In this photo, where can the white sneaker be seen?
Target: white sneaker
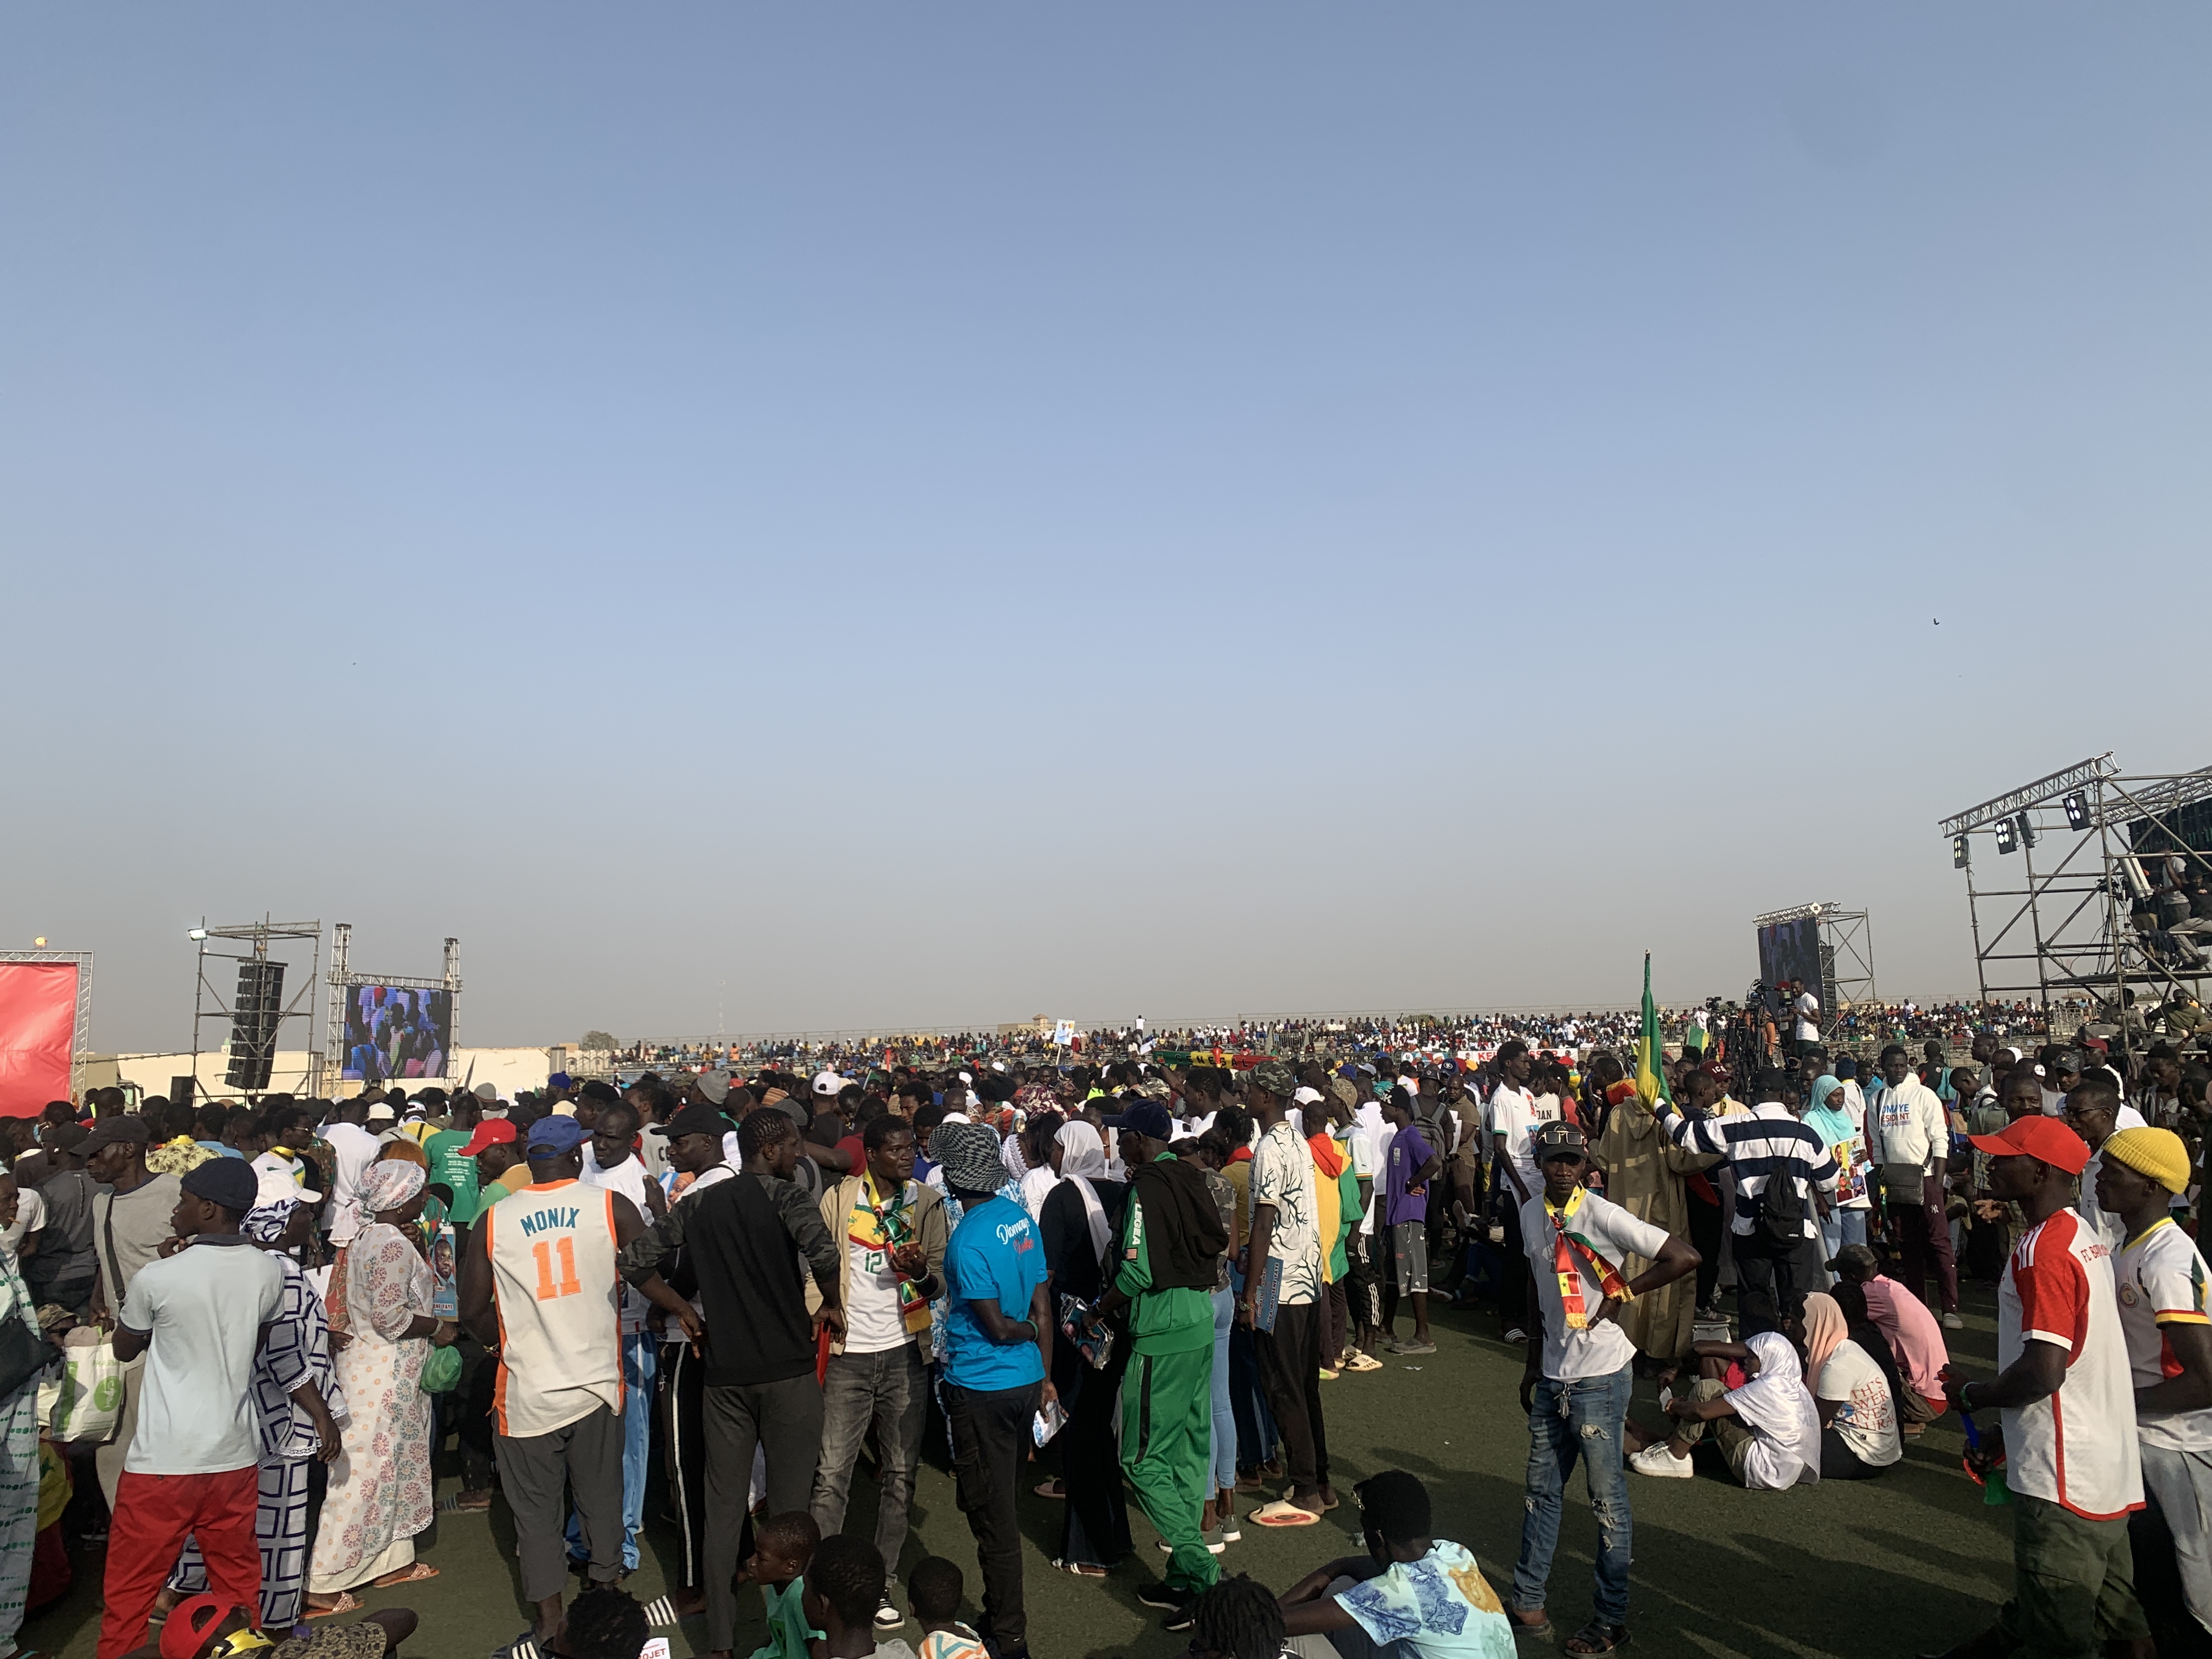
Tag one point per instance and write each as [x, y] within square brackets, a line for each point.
[1953, 1322]
[888, 1617]
[1658, 1462]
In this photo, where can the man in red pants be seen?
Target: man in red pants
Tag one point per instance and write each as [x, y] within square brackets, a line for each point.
[192, 1466]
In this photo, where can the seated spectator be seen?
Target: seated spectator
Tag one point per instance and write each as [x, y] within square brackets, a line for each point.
[844, 1589]
[201, 1627]
[1410, 1597]
[1766, 1425]
[605, 1623]
[783, 1547]
[1237, 1619]
[1850, 1395]
[933, 1590]
[1915, 1339]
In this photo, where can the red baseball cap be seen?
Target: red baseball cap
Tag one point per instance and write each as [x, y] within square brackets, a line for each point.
[2038, 1137]
[191, 1621]
[489, 1133]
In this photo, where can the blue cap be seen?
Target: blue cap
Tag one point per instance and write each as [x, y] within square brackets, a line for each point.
[1145, 1117]
[550, 1137]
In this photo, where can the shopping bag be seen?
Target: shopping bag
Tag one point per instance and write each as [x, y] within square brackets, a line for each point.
[89, 1406]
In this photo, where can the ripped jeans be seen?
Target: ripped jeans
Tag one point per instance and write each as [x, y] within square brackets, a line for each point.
[1578, 1418]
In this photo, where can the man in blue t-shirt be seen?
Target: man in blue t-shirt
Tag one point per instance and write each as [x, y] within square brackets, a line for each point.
[998, 1351]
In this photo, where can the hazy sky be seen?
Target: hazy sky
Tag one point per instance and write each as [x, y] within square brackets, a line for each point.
[946, 513]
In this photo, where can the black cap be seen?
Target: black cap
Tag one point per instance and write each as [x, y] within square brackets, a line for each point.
[697, 1119]
[1559, 1140]
[229, 1182]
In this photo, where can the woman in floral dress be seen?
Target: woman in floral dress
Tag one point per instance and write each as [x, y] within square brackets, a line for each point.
[380, 1488]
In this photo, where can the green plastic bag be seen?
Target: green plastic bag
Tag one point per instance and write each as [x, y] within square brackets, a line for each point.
[441, 1371]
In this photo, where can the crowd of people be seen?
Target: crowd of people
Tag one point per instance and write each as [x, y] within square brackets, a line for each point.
[1469, 1037]
[769, 1286]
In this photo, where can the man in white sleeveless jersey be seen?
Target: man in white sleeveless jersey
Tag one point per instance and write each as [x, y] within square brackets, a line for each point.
[538, 1288]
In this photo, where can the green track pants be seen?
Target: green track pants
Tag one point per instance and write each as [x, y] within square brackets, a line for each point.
[1167, 1426]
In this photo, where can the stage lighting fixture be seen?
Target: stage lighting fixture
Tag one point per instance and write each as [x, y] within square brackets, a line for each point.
[1959, 859]
[2008, 837]
[2026, 830]
[2077, 810]
[196, 933]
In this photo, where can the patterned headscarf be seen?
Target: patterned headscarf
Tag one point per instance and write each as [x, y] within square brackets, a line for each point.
[387, 1185]
[265, 1224]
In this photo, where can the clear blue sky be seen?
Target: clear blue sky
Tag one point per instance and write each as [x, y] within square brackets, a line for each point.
[952, 512]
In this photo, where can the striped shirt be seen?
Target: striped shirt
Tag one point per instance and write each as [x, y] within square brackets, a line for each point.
[1760, 1144]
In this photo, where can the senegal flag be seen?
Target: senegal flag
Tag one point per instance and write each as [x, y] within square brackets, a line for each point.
[1650, 1068]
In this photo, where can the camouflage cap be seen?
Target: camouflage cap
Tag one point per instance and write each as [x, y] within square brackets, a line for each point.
[1275, 1076]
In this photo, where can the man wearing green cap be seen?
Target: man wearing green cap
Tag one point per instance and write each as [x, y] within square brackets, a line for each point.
[2164, 1289]
[1283, 1285]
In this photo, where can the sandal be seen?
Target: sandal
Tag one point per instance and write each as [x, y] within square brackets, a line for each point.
[410, 1575]
[1051, 1488]
[1539, 1631]
[1081, 1569]
[347, 1602]
[1282, 1513]
[1594, 1638]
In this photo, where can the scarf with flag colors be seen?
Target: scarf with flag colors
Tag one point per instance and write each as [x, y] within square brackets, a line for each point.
[1566, 1246]
[880, 1223]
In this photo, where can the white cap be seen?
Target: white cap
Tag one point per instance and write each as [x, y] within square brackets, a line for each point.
[381, 1112]
[277, 1187]
[1306, 1096]
[827, 1082]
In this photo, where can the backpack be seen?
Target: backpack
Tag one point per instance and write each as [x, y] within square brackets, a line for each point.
[1780, 1224]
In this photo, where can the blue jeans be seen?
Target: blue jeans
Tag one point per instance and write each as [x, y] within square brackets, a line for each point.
[1248, 1398]
[1225, 1420]
[1582, 1418]
[640, 1365]
[1842, 1227]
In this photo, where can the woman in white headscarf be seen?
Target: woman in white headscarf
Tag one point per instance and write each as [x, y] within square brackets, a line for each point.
[1766, 1426]
[381, 1288]
[1076, 1223]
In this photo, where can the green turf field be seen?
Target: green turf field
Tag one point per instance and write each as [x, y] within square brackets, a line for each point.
[1904, 1564]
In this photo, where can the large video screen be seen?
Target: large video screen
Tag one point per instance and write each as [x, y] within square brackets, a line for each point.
[393, 1035]
[1791, 951]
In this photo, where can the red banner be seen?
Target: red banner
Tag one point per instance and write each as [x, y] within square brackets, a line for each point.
[38, 1024]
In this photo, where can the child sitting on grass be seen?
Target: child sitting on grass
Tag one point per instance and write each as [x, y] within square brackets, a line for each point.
[1237, 1619]
[783, 1546]
[844, 1588]
[933, 1589]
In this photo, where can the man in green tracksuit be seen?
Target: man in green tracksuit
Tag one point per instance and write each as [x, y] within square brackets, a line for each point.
[1172, 1237]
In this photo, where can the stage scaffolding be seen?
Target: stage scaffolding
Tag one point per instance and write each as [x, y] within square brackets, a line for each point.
[1846, 956]
[2070, 929]
[81, 1027]
[258, 937]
